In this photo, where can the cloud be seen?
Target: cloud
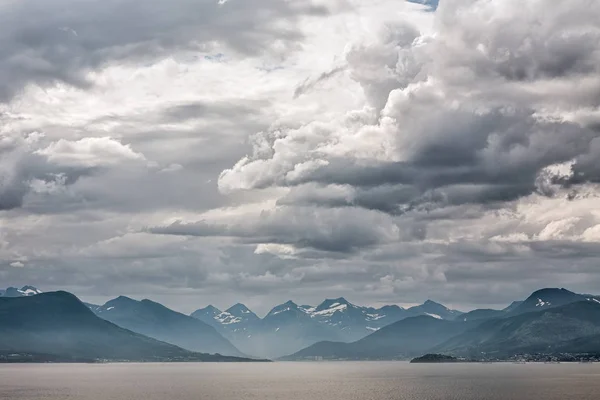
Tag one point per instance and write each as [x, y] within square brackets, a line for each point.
[196, 152]
[17, 264]
[89, 152]
[28, 166]
[57, 46]
[331, 230]
[308, 83]
[466, 116]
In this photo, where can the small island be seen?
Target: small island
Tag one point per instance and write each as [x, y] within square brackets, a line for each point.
[434, 358]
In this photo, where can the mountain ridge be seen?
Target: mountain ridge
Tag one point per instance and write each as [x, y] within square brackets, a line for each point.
[157, 321]
[549, 320]
[288, 327]
[57, 326]
[336, 326]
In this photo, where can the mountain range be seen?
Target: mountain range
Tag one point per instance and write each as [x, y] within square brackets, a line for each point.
[289, 327]
[159, 322]
[58, 326]
[548, 321]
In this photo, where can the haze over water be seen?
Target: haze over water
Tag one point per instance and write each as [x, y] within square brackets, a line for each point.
[300, 381]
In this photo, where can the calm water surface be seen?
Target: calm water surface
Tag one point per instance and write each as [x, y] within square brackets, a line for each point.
[300, 381]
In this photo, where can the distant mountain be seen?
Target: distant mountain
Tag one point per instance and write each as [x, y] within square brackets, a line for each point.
[354, 322]
[57, 326]
[237, 318]
[157, 321]
[24, 291]
[435, 310]
[401, 340]
[289, 327]
[539, 300]
[546, 331]
[548, 321]
[208, 315]
[549, 298]
[208, 312]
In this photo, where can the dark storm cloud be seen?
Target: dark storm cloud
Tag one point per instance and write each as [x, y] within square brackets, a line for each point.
[480, 158]
[45, 42]
[20, 166]
[464, 112]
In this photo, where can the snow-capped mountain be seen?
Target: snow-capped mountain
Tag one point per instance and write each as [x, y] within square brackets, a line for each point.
[353, 322]
[289, 326]
[15, 292]
[237, 315]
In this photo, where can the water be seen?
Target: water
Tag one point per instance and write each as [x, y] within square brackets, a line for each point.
[300, 381]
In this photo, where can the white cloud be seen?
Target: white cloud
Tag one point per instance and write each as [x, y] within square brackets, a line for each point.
[89, 152]
[17, 264]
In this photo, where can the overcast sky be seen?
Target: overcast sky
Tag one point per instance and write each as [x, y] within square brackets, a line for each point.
[216, 151]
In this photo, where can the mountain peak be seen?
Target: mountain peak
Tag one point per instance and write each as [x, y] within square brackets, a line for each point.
[434, 309]
[329, 303]
[241, 311]
[548, 298]
[552, 296]
[207, 314]
[23, 292]
[433, 303]
[552, 291]
[121, 300]
[341, 300]
[238, 307]
[211, 308]
[287, 306]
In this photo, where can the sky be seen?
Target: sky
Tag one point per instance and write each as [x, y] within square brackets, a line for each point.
[219, 151]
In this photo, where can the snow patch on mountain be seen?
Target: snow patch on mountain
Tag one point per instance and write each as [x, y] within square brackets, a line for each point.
[542, 303]
[328, 312]
[25, 291]
[226, 318]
